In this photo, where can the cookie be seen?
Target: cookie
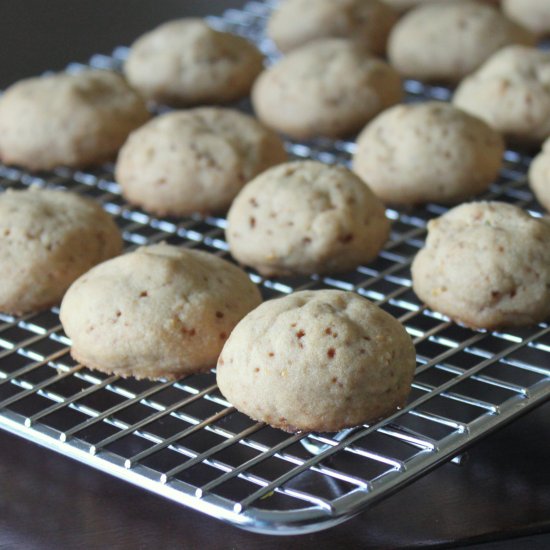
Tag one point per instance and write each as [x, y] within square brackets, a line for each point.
[67, 119]
[306, 217]
[532, 14]
[328, 87]
[317, 361]
[185, 62]
[195, 160]
[539, 175]
[445, 41]
[297, 22]
[511, 93]
[427, 152]
[47, 240]
[159, 312]
[486, 265]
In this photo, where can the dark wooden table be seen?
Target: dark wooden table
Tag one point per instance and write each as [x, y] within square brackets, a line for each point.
[48, 501]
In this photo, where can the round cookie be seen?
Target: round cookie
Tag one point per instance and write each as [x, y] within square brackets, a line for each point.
[532, 14]
[444, 41]
[486, 265]
[306, 217]
[67, 119]
[196, 160]
[317, 361]
[297, 22]
[511, 92]
[185, 62]
[329, 88]
[539, 175]
[47, 240]
[427, 152]
[161, 311]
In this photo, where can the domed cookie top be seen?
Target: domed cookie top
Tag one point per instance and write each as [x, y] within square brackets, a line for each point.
[317, 361]
[67, 119]
[487, 265]
[185, 62]
[47, 240]
[444, 41]
[532, 14]
[297, 22]
[328, 87]
[196, 160]
[161, 311]
[306, 217]
[425, 152]
[511, 92]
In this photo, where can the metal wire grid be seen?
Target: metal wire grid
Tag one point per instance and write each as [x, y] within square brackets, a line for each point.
[184, 441]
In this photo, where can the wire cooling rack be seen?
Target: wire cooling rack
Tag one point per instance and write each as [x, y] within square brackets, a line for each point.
[182, 440]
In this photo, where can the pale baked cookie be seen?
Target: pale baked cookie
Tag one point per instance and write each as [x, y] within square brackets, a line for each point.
[306, 217]
[196, 160]
[444, 41]
[486, 265]
[297, 22]
[47, 240]
[317, 361]
[511, 92]
[185, 62]
[67, 119]
[329, 87]
[532, 14]
[426, 152]
[161, 311]
[539, 175]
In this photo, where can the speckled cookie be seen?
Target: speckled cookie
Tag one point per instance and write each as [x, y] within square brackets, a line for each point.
[185, 62]
[297, 22]
[486, 265]
[511, 92]
[445, 41]
[306, 217]
[195, 160]
[161, 311]
[317, 361]
[47, 240]
[67, 119]
[532, 14]
[328, 87]
[426, 152]
[539, 175]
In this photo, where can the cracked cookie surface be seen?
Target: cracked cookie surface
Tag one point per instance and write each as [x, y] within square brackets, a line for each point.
[317, 361]
[486, 265]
